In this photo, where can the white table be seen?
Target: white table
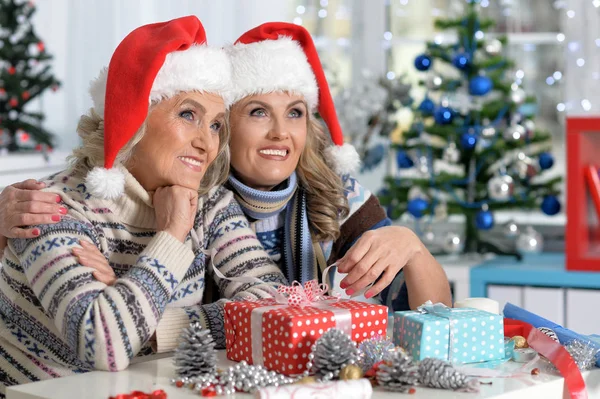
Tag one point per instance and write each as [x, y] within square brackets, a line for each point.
[156, 374]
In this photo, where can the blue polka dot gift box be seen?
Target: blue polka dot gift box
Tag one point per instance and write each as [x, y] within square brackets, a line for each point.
[462, 335]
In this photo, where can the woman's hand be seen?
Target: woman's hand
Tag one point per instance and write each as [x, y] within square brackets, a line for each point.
[382, 252]
[175, 209]
[90, 256]
[22, 204]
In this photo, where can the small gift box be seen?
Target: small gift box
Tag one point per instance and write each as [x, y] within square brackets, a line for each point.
[279, 333]
[457, 335]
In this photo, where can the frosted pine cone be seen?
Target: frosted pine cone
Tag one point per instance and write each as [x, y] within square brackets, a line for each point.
[398, 372]
[333, 351]
[196, 354]
[436, 373]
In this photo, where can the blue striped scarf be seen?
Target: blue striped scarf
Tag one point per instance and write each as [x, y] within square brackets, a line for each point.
[298, 252]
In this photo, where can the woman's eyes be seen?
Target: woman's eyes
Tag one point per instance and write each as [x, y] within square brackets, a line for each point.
[258, 112]
[189, 115]
[216, 127]
[296, 113]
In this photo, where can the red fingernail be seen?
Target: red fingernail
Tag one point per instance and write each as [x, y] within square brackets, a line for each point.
[58, 199]
[350, 291]
[55, 218]
[368, 294]
[343, 285]
[62, 210]
[36, 232]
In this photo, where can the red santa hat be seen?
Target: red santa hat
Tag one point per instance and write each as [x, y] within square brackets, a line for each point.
[152, 63]
[279, 56]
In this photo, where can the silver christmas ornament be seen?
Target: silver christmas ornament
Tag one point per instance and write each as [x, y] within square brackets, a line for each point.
[493, 47]
[510, 229]
[428, 236]
[434, 82]
[488, 132]
[529, 126]
[518, 96]
[530, 241]
[514, 133]
[451, 153]
[453, 243]
[524, 167]
[423, 165]
[501, 187]
[441, 211]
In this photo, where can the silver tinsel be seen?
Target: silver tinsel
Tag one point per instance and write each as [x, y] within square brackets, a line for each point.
[241, 377]
[196, 354]
[398, 373]
[332, 351]
[374, 350]
[583, 353]
[437, 373]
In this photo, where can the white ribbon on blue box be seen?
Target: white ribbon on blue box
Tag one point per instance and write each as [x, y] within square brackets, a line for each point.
[458, 335]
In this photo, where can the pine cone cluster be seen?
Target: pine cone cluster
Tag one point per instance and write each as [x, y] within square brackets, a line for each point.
[332, 351]
[398, 372]
[196, 354]
[436, 373]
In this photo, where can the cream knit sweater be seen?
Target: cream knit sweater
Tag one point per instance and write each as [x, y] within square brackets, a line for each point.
[56, 319]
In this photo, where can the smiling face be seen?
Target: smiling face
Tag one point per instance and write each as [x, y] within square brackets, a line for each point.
[180, 142]
[268, 135]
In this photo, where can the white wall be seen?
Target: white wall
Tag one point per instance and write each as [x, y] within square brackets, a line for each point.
[83, 34]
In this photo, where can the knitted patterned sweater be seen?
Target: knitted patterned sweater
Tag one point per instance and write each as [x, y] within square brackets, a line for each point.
[57, 319]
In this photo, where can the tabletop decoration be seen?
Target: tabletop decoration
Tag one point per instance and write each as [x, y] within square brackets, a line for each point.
[196, 354]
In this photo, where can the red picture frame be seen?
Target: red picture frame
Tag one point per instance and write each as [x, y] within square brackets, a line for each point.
[582, 233]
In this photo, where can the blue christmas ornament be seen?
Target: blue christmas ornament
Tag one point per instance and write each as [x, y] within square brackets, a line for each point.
[443, 115]
[468, 141]
[417, 207]
[427, 106]
[423, 62]
[403, 160]
[480, 85]
[461, 61]
[550, 205]
[484, 220]
[373, 156]
[546, 160]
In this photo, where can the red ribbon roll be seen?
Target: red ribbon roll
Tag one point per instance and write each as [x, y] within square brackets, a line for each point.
[553, 351]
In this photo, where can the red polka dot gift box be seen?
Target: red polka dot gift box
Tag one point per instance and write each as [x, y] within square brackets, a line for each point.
[280, 336]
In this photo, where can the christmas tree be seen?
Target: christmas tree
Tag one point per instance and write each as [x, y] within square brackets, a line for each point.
[25, 74]
[473, 147]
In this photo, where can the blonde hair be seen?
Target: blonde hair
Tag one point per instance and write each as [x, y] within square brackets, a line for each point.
[326, 202]
[91, 152]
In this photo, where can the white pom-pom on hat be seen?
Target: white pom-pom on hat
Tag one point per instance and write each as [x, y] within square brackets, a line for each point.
[343, 158]
[105, 183]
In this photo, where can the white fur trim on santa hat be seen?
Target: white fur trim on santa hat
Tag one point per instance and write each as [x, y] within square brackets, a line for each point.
[270, 66]
[344, 159]
[105, 183]
[199, 68]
